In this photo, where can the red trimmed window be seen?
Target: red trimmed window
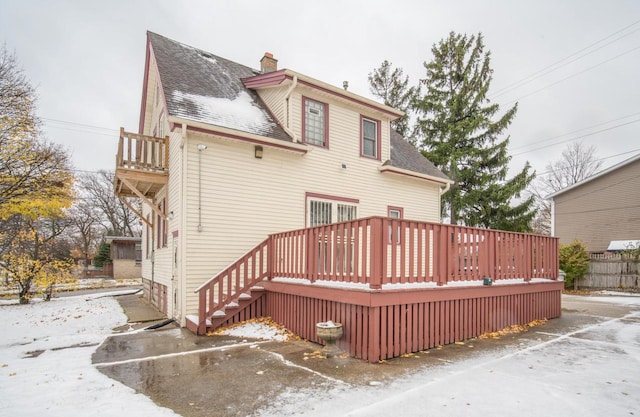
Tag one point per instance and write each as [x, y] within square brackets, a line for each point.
[395, 213]
[369, 138]
[161, 225]
[325, 209]
[315, 122]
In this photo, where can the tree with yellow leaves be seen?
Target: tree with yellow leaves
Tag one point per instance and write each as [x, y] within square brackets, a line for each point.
[36, 186]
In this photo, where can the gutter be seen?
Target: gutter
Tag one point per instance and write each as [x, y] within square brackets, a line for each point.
[232, 134]
[446, 182]
[287, 95]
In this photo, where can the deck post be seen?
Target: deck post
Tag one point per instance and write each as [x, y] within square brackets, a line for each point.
[270, 257]
[202, 319]
[378, 260]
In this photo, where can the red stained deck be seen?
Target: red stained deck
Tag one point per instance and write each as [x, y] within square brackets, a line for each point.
[397, 286]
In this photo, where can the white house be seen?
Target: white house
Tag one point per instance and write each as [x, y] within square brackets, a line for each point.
[226, 155]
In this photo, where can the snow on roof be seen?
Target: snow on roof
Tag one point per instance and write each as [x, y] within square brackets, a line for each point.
[239, 113]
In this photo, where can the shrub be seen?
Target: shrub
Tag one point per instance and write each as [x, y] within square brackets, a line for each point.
[574, 261]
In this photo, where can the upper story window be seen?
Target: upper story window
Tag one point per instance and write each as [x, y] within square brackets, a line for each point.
[315, 123]
[161, 125]
[370, 138]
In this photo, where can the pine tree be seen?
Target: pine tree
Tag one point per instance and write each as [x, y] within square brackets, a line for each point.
[393, 89]
[103, 255]
[459, 135]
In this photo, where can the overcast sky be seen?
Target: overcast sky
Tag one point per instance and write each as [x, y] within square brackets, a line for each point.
[580, 59]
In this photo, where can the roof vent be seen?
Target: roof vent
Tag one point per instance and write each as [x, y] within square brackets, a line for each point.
[268, 63]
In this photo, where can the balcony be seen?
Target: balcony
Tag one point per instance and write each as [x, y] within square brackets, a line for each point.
[142, 166]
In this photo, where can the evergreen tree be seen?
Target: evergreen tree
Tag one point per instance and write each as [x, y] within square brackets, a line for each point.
[393, 89]
[103, 255]
[460, 131]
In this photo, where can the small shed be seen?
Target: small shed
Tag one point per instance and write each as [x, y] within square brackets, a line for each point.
[126, 254]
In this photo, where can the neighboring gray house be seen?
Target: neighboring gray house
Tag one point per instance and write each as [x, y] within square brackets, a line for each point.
[601, 208]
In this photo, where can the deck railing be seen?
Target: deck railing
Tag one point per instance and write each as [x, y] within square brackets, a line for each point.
[376, 251]
[141, 152]
[227, 285]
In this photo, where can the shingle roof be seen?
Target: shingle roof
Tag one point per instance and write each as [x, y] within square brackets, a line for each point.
[405, 156]
[206, 88]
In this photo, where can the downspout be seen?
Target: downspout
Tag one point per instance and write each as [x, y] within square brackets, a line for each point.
[446, 188]
[201, 148]
[153, 261]
[287, 95]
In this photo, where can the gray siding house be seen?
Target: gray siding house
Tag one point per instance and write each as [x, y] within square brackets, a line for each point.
[601, 208]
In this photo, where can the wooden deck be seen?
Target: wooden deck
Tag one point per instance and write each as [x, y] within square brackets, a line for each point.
[397, 286]
[142, 169]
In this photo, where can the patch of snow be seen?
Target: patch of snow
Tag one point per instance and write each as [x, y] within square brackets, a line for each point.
[45, 353]
[241, 113]
[326, 324]
[256, 330]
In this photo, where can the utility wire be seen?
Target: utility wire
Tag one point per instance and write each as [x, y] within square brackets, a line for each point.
[597, 160]
[570, 76]
[556, 65]
[577, 137]
[575, 131]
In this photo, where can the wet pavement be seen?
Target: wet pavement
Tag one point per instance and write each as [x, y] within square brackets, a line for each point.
[230, 376]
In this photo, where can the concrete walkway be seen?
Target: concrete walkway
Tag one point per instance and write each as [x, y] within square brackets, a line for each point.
[526, 372]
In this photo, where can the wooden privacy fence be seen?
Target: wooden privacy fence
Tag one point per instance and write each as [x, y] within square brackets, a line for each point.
[611, 270]
[378, 251]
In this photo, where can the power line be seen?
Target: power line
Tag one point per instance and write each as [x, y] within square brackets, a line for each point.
[79, 124]
[570, 76]
[577, 137]
[576, 131]
[597, 160]
[550, 68]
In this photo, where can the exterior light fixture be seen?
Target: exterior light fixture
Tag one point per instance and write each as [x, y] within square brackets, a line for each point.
[258, 151]
[201, 147]
[170, 215]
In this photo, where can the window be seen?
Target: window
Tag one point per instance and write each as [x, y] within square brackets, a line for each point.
[147, 240]
[161, 125]
[334, 251]
[314, 123]
[326, 209]
[138, 255]
[395, 213]
[370, 145]
[161, 225]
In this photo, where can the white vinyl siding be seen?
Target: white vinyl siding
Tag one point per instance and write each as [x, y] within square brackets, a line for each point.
[244, 199]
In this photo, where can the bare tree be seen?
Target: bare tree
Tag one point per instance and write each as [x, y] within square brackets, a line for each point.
[116, 218]
[578, 161]
[85, 224]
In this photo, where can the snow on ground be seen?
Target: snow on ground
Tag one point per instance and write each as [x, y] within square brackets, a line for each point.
[45, 361]
[46, 348]
[592, 371]
[257, 330]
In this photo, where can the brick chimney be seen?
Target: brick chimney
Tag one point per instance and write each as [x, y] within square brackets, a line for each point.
[268, 63]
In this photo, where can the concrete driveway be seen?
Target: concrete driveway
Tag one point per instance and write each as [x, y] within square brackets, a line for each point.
[585, 363]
